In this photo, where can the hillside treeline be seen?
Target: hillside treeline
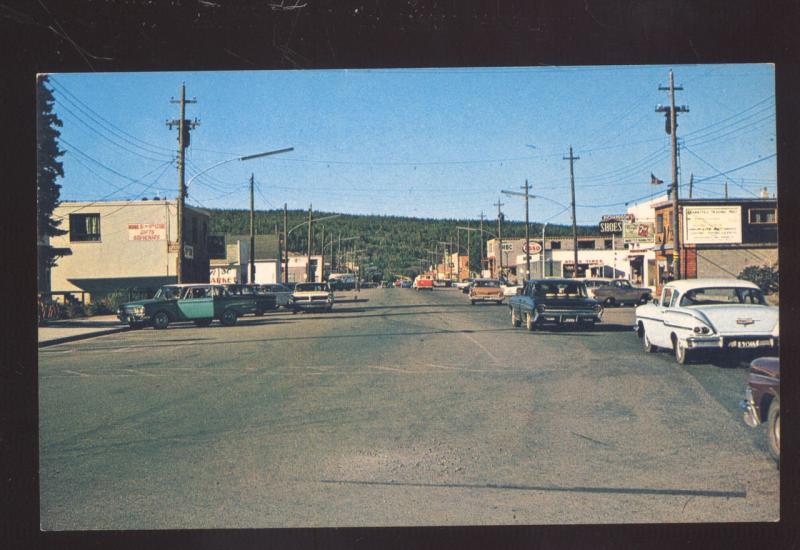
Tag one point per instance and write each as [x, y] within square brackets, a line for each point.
[392, 245]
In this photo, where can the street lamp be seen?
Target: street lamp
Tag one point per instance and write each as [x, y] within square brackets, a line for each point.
[201, 172]
[298, 226]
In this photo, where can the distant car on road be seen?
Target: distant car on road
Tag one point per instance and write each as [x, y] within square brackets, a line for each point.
[762, 401]
[405, 283]
[485, 290]
[422, 282]
[594, 283]
[717, 315]
[619, 292]
[559, 301]
[510, 289]
[312, 296]
[461, 285]
[201, 303]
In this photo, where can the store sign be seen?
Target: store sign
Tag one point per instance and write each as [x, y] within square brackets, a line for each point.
[629, 218]
[586, 262]
[639, 233]
[531, 247]
[224, 275]
[712, 224]
[147, 232]
[610, 228]
[507, 247]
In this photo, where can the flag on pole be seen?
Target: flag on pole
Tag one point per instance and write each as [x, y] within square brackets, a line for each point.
[654, 180]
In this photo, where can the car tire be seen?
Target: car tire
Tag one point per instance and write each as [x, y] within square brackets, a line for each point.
[472, 302]
[774, 429]
[609, 302]
[160, 320]
[529, 324]
[203, 322]
[134, 326]
[516, 322]
[648, 346]
[229, 317]
[681, 353]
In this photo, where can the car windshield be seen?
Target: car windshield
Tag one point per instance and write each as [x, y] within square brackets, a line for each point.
[722, 295]
[559, 290]
[495, 284]
[314, 287]
[167, 293]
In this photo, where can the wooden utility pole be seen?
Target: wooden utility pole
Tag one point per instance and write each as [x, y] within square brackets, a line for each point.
[498, 204]
[280, 252]
[469, 252]
[310, 239]
[285, 244]
[322, 255]
[527, 196]
[483, 259]
[691, 181]
[672, 126]
[184, 127]
[572, 159]
[252, 277]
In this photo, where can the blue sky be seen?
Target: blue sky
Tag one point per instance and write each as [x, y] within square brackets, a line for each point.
[436, 143]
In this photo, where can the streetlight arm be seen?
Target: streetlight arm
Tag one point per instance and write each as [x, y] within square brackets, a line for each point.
[312, 221]
[245, 157]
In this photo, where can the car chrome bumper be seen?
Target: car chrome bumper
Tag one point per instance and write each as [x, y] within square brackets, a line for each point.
[748, 406]
[562, 317]
[731, 342]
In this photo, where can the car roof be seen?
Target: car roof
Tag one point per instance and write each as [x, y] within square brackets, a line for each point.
[557, 281]
[685, 285]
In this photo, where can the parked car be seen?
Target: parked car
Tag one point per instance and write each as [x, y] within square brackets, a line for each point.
[201, 303]
[559, 301]
[762, 401]
[461, 285]
[510, 289]
[440, 283]
[312, 296]
[282, 294]
[405, 283]
[593, 283]
[422, 282]
[619, 292]
[486, 290]
[261, 302]
[386, 284]
[708, 314]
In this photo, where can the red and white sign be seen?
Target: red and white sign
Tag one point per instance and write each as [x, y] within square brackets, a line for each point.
[147, 232]
[531, 247]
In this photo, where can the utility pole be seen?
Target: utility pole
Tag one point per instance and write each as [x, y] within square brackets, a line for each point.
[671, 113]
[252, 278]
[726, 189]
[498, 204]
[469, 251]
[184, 127]
[280, 251]
[285, 245]
[571, 160]
[322, 255]
[527, 195]
[483, 258]
[310, 239]
[691, 181]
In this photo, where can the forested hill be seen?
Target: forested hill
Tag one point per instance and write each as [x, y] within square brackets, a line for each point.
[392, 244]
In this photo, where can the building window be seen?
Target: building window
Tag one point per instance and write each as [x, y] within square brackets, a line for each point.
[84, 227]
[763, 215]
[608, 244]
[585, 245]
[660, 223]
[555, 245]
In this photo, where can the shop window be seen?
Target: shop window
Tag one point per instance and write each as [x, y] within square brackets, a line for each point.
[660, 223]
[763, 215]
[84, 227]
[585, 245]
[555, 245]
[608, 244]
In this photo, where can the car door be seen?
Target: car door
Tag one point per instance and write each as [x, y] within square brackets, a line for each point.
[197, 303]
[659, 333]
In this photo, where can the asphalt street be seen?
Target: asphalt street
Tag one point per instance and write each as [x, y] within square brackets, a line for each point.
[405, 408]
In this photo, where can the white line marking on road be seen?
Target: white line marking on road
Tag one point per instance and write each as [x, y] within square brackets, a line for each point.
[489, 353]
[77, 373]
[139, 372]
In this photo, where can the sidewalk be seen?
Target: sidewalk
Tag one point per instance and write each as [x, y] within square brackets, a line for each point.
[67, 330]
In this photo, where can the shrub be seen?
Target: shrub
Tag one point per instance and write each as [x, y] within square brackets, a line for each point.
[74, 310]
[766, 277]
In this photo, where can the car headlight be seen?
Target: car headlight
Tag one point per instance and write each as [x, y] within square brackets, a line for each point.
[701, 329]
[597, 308]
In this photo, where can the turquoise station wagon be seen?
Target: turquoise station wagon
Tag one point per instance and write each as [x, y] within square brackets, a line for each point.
[201, 303]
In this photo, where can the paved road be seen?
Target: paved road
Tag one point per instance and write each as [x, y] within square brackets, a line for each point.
[407, 409]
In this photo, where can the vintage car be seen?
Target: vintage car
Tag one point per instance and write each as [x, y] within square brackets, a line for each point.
[200, 303]
[261, 302]
[312, 296]
[619, 292]
[708, 314]
[281, 293]
[593, 283]
[511, 289]
[461, 285]
[762, 402]
[560, 301]
[422, 282]
[485, 290]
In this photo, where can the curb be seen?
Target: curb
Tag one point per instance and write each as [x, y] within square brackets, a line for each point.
[64, 339]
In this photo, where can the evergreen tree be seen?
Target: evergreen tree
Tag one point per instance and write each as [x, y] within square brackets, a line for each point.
[48, 170]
